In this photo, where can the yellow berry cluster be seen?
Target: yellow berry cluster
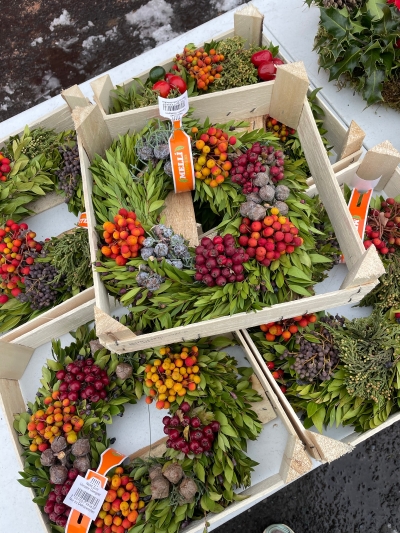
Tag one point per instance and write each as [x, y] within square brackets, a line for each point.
[172, 376]
[278, 129]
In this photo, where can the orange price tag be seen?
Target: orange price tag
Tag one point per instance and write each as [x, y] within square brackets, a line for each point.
[181, 159]
[78, 522]
[358, 207]
[83, 221]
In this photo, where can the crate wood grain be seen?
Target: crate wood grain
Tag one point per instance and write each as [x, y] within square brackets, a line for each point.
[364, 266]
[248, 25]
[318, 445]
[78, 308]
[295, 460]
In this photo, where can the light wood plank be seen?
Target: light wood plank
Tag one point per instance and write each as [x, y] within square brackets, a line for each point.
[122, 342]
[101, 295]
[290, 90]
[368, 267]
[157, 449]
[239, 103]
[353, 141]
[92, 130]
[296, 462]
[179, 215]
[381, 160]
[51, 199]
[337, 167]
[107, 327]
[248, 22]
[102, 88]
[328, 188]
[74, 97]
[392, 188]
[14, 359]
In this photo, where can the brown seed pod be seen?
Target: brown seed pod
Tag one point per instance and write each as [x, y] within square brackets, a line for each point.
[253, 197]
[123, 371]
[155, 471]
[58, 474]
[253, 211]
[47, 458]
[159, 488]
[283, 208]
[59, 444]
[267, 193]
[188, 489]
[82, 464]
[262, 179]
[173, 473]
[81, 447]
[95, 346]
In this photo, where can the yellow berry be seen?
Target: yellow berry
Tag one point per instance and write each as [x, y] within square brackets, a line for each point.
[197, 379]
[201, 160]
[171, 399]
[169, 383]
[162, 389]
[157, 363]
[182, 370]
[177, 387]
[154, 369]
[274, 211]
[195, 369]
[162, 351]
[282, 220]
[182, 392]
[154, 378]
[162, 397]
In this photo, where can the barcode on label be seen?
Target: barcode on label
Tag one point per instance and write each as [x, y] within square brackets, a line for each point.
[81, 496]
[171, 107]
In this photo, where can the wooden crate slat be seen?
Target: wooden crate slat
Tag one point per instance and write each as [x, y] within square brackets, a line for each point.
[344, 165]
[179, 215]
[381, 160]
[102, 88]
[392, 188]
[74, 97]
[328, 188]
[14, 359]
[50, 200]
[289, 93]
[353, 141]
[368, 267]
[92, 131]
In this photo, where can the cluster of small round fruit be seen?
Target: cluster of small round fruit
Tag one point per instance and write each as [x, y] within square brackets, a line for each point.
[219, 261]
[164, 244]
[383, 227]
[70, 172]
[212, 165]
[278, 129]
[277, 374]
[119, 511]
[59, 419]
[4, 167]
[284, 329]
[201, 65]
[270, 238]
[172, 376]
[17, 246]
[83, 380]
[124, 237]
[265, 64]
[197, 440]
[59, 512]
[258, 159]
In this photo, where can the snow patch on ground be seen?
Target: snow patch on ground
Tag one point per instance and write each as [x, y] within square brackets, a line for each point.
[36, 41]
[8, 89]
[65, 44]
[63, 20]
[94, 40]
[225, 5]
[49, 83]
[149, 16]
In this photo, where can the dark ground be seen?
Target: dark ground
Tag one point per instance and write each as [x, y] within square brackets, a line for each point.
[361, 491]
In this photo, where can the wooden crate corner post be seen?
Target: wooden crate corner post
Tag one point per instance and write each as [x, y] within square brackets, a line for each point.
[353, 141]
[248, 23]
[381, 160]
[74, 97]
[102, 88]
[296, 461]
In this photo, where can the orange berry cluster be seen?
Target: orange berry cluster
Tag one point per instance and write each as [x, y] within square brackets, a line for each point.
[278, 129]
[212, 165]
[286, 328]
[124, 237]
[119, 511]
[201, 66]
[173, 376]
[59, 419]
[4, 167]
[17, 245]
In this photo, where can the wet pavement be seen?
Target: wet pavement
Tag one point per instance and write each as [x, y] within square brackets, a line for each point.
[49, 46]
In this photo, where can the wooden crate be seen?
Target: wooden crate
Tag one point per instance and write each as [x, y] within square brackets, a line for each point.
[248, 24]
[77, 309]
[279, 463]
[284, 99]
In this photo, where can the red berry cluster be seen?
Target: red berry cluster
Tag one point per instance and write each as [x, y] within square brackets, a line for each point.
[4, 167]
[255, 160]
[270, 238]
[219, 261]
[83, 380]
[58, 512]
[17, 246]
[383, 227]
[198, 440]
[286, 328]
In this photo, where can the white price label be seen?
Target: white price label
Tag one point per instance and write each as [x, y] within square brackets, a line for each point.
[174, 108]
[86, 496]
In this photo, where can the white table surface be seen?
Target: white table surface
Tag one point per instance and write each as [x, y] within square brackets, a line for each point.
[293, 26]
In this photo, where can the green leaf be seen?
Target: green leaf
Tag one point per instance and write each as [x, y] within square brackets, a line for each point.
[348, 64]
[312, 408]
[22, 426]
[318, 418]
[156, 205]
[200, 472]
[335, 23]
[373, 87]
[299, 290]
[374, 8]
